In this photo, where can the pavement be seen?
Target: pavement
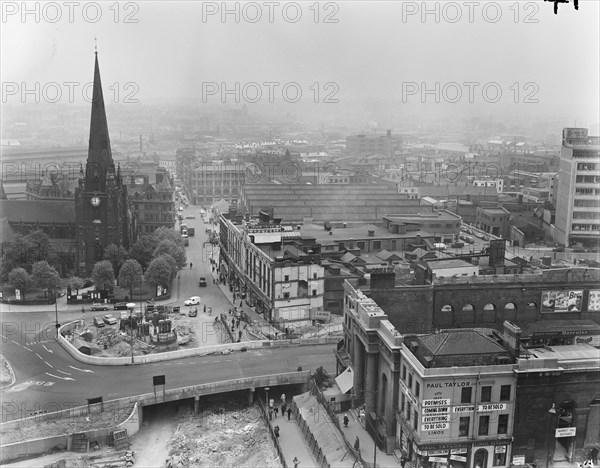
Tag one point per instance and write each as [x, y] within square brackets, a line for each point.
[367, 444]
[292, 442]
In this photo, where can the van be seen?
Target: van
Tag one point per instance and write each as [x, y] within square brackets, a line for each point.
[439, 246]
[469, 240]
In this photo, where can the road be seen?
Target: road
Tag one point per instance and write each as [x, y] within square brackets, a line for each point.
[49, 379]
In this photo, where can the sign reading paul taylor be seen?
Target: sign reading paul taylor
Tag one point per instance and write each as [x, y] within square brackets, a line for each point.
[558, 301]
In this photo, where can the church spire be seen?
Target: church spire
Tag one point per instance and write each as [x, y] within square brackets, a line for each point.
[99, 154]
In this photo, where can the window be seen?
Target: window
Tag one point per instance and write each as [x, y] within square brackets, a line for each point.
[417, 389]
[503, 424]
[484, 425]
[463, 426]
[408, 410]
[505, 392]
[403, 403]
[314, 292]
[466, 395]
[415, 420]
[500, 455]
[286, 278]
[404, 373]
[360, 245]
[410, 379]
[486, 394]
[376, 245]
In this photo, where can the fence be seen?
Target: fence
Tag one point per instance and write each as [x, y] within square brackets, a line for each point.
[309, 437]
[316, 392]
[272, 432]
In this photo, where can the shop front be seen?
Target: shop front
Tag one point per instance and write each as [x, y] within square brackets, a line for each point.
[454, 455]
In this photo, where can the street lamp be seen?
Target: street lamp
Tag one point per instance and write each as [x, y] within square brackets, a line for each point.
[56, 313]
[268, 407]
[550, 416]
[131, 306]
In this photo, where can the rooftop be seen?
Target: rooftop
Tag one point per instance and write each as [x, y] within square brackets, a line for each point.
[31, 211]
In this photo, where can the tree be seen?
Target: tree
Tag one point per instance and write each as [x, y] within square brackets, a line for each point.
[164, 233]
[20, 279]
[168, 247]
[143, 250]
[45, 276]
[130, 275]
[75, 282]
[17, 253]
[159, 272]
[115, 254]
[172, 263]
[43, 247]
[103, 275]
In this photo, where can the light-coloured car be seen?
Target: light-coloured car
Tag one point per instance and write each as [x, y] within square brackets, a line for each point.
[109, 319]
[194, 300]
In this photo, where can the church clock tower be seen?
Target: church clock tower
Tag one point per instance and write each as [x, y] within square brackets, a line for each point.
[101, 202]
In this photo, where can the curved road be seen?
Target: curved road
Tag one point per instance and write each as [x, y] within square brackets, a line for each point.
[49, 379]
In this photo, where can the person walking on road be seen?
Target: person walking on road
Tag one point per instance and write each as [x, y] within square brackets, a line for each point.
[346, 420]
[403, 461]
[289, 412]
[190, 265]
[276, 431]
[276, 411]
[357, 444]
[296, 462]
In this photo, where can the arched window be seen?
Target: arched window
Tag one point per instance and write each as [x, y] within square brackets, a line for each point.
[447, 308]
[510, 306]
[489, 307]
[468, 308]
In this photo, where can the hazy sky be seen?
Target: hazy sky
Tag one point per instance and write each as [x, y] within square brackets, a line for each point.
[375, 50]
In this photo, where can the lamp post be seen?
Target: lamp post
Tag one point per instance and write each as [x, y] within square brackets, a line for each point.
[56, 313]
[131, 306]
[268, 407]
[550, 416]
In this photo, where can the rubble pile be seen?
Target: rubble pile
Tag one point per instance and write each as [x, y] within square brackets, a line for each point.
[217, 438]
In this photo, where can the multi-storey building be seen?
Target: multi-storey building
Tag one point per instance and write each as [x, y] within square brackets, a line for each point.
[375, 143]
[496, 221]
[578, 195]
[152, 204]
[206, 182]
[282, 279]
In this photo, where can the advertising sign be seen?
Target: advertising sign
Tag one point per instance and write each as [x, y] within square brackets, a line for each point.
[18, 294]
[491, 407]
[458, 458]
[518, 460]
[594, 300]
[434, 426]
[438, 418]
[558, 301]
[439, 402]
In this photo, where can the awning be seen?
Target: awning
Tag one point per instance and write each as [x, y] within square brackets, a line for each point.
[345, 380]
[592, 434]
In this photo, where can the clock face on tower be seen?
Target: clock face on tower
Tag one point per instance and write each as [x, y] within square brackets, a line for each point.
[95, 201]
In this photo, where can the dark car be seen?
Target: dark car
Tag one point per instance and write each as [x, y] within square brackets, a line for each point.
[99, 306]
[87, 283]
[202, 282]
[193, 312]
[120, 306]
[98, 322]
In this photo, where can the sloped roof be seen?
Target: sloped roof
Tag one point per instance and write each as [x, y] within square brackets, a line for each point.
[43, 211]
[457, 342]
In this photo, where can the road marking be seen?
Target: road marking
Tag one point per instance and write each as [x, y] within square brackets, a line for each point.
[61, 378]
[82, 370]
[49, 350]
[26, 348]
[13, 341]
[49, 364]
[39, 356]
[63, 372]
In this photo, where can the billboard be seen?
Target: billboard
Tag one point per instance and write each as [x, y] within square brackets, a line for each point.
[594, 300]
[557, 301]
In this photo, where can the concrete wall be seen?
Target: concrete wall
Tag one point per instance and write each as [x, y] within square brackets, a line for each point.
[31, 447]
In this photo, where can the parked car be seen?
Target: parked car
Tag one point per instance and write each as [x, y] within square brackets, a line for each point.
[194, 300]
[190, 217]
[98, 322]
[99, 306]
[109, 319]
[120, 306]
[202, 282]
[87, 283]
[193, 312]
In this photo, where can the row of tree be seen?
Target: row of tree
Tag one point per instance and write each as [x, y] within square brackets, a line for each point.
[155, 258]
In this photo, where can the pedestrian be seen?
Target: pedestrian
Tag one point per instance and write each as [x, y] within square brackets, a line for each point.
[346, 420]
[402, 461]
[240, 335]
[296, 462]
[238, 325]
[357, 444]
[232, 323]
[594, 454]
[276, 411]
[204, 308]
[276, 431]
[283, 409]
[283, 397]
[361, 415]
[271, 403]
[270, 415]
[289, 412]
